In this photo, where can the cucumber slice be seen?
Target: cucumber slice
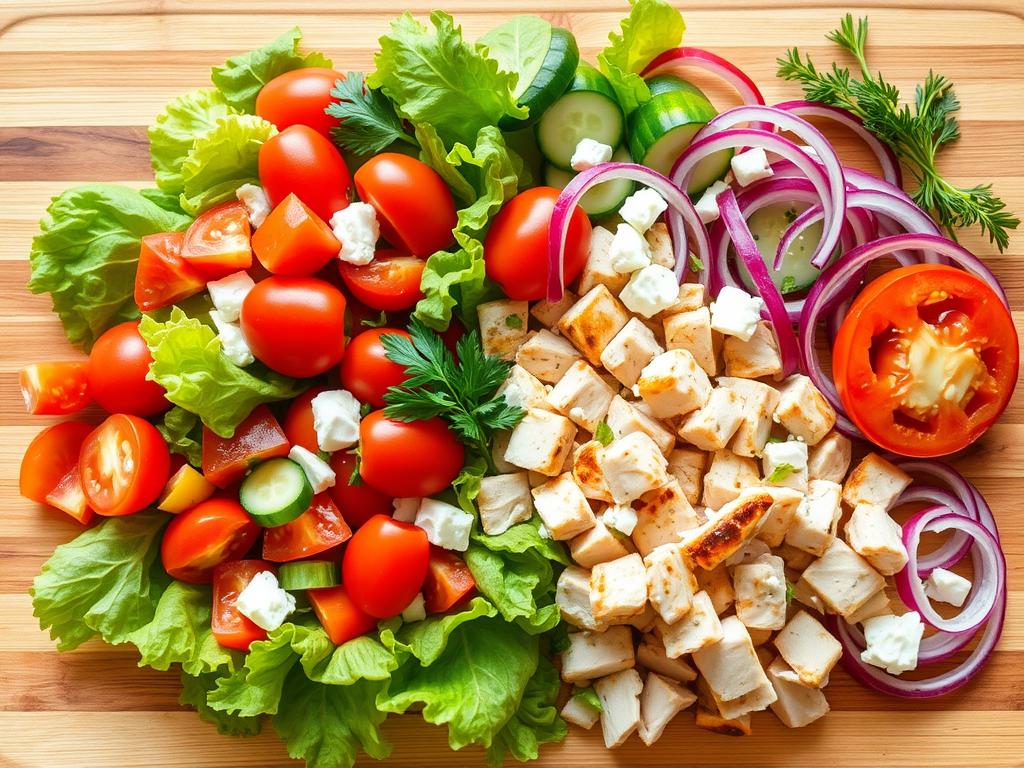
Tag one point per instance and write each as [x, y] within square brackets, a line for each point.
[604, 199]
[588, 110]
[276, 492]
[661, 129]
[308, 574]
[768, 225]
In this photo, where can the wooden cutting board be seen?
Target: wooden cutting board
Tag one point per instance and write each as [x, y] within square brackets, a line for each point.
[79, 82]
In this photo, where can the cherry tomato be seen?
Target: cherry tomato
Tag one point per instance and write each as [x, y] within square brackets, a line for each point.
[366, 371]
[414, 206]
[217, 243]
[118, 365]
[301, 161]
[259, 437]
[49, 457]
[124, 465]
[418, 458]
[294, 240]
[390, 282]
[516, 246]
[448, 581]
[55, 389]
[315, 531]
[299, 97]
[339, 615]
[384, 565]
[926, 360]
[298, 422]
[295, 325]
[200, 539]
[230, 628]
[358, 503]
[69, 496]
[163, 277]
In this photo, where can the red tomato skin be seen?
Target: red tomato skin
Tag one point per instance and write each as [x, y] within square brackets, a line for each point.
[417, 459]
[119, 363]
[218, 242]
[339, 615]
[49, 457]
[230, 628]
[299, 97]
[414, 206]
[448, 581]
[198, 540]
[366, 371]
[163, 277]
[298, 422]
[299, 160]
[294, 240]
[390, 283]
[149, 465]
[516, 246]
[358, 503]
[384, 566]
[69, 497]
[316, 530]
[259, 437]
[55, 389]
[295, 325]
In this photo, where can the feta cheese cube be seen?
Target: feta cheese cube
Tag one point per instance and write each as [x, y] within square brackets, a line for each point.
[660, 243]
[502, 327]
[232, 341]
[256, 203]
[809, 649]
[264, 602]
[814, 523]
[876, 537]
[620, 705]
[730, 666]
[650, 290]
[711, 427]
[686, 465]
[416, 610]
[228, 293]
[596, 654]
[842, 579]
[803, 410]
[947, 587]
[875, 481]
[707, 205]
[541, 442]
[624, 419]
[589, 153]
[618, 588]
[632, 465]
[523, 390]
[785, 464]
[598, 268]
[586, 471]
[504, 501]
[592, 322]
[405, 509]
[692, 331]
[670, 584]
[830, 458]
[893, 642]
[563, 508]
[629, 250]
[642, 209]
[446, 525]
[629, 351]
[796, 705]
[582, 395]
[730, 528]
[757, 405]
[673, 384]
[548, 313]
[736, 313]
[579, 712]
[727, 476]
[752, 359]
[699, 628]
[335, 419]
[572, 596]
[546, 356]
[650, 654]
[761, 593]
[718, 584]
[662, 516]
[357, 230]
[620, 517]
[750, 166]
[317, 471]
[597, 545]
[660, 701]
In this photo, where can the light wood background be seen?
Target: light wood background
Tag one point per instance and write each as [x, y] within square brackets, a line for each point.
[80, 80]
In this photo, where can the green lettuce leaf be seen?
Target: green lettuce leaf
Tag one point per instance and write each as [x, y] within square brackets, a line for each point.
[194, 690]
[450, 280]
[589, 697]
[427, 639]
[536, 722]
[521, 586]
[241, 77]
[176, 129]
[86, 252]
[183, 432]
[525, 537]
[107, 581]
[187, 362]
[520, 45]
[169, 201]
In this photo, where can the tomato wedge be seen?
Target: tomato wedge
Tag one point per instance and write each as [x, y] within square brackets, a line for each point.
[55, 389]
[257, 438]
[230, 628]
[124, 464]
[69, 497]
[294, 240]
[390, 282]
[49, 457]
[211, 533]
[340, 617]
[163, 277]
[217, 243]
[448, 580]
[926, 360]
[314, 531]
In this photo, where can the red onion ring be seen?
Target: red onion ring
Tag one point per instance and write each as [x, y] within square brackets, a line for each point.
[934, 648]
[954, 549]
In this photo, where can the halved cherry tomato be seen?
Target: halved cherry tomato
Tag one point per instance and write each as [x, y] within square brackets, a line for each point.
[163, 277]
[294, 240]
[124, 464]
[299, 97]
[448, 580]
[118, 366]
[198, 540]
[339, 615]
[257, 438]
[358, 503]
[55, 389]
[384, 565]
[390, 282]
[516, 246]
[49, 457]
[314, 531]
[69, 497]
[414, 206]
[217, 243]
[298, 422]
[366, 371]
[418, 458]
[230, 628]
[301, 161]
[926, 360]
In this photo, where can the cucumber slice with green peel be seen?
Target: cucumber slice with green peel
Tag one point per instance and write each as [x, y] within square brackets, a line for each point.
[588, 110]
[308, 574]
[661, 129]
[768, 225]
[276, 492]
[604, 199]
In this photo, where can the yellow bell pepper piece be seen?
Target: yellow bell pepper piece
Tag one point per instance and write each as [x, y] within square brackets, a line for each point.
[184, 490]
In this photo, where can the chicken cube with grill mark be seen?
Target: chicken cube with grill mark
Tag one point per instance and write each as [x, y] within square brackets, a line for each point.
[593, 321]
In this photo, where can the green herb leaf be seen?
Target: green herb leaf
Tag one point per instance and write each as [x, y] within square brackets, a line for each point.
[790, 592]
[175, 130]
[788, 284]
[379, 322]
[589, 697]
[603, 434]
[183, 433]
[780, 473]
[369, 122]
[194, 690]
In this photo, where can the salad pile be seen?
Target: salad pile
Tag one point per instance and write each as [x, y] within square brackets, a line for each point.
[407, 392]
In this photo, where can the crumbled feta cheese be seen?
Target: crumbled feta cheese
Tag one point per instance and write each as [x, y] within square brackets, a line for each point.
[735, 313]
[232, 341]
[628, 251]
[893, 642]
[792, 453]
[256, 203]
[650, 290]
[707, 206]
[265, 602]
[318, 471]
[405, 509]
[543, 532]
[416, 610]
[446, 525]
[947, 587]
[621, 517]
[357, 230]
[750, 166]
[590, 153]
[335, 419]
[642, 209]
[228, 293]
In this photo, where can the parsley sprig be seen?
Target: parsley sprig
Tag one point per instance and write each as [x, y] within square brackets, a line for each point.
[369, 122]
[915, 134]
[462, 392]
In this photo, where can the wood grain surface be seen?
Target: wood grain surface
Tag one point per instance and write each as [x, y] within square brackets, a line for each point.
[80, 80]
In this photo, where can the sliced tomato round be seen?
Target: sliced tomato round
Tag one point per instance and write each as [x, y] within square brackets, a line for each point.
[163, 277]
[55, 389]
[384, 565]
[413, 459]
[357, 500]
[366, 371]
[298, 422]
[118, 369]
[217, 242]
[448, 581]
[49, 457]
[259, 437]
[124, 465]
[340, 617]
[293, 240]
[391, 282]
[200, 539]
[316, 530]
[230, 628]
